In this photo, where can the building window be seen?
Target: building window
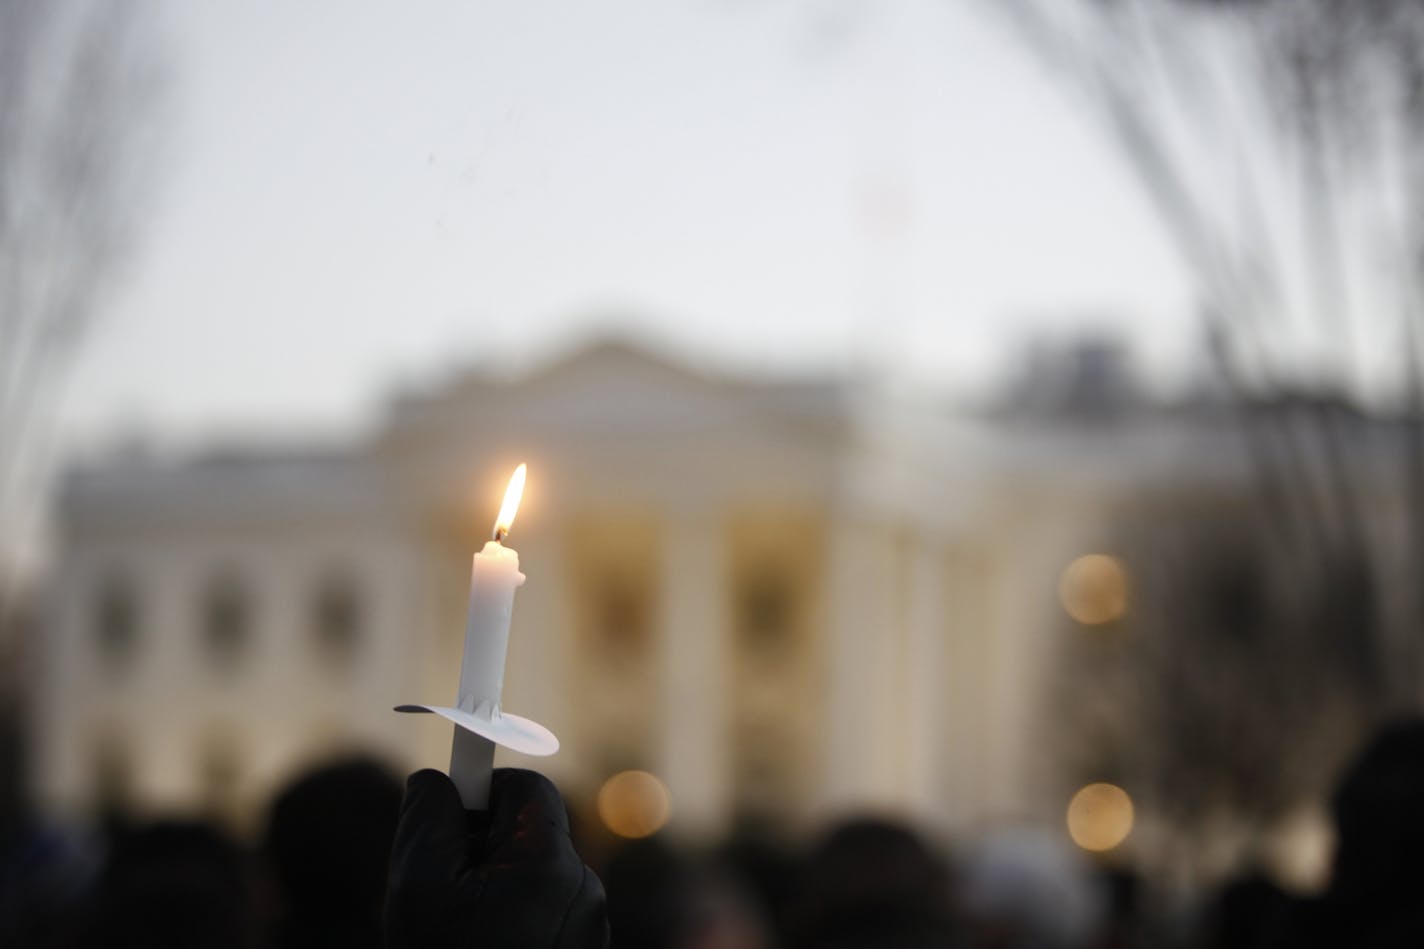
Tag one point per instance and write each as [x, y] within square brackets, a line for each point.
[773, 596]
[621, 618]
[226, 620]
[615, 560]
[766, 614]
[612, 569]
[116, 622]
[336, 619]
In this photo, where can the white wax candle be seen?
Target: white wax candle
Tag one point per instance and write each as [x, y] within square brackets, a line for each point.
[494, 576]
[480, 723]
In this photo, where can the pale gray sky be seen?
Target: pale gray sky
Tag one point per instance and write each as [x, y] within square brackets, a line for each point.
[360, 194]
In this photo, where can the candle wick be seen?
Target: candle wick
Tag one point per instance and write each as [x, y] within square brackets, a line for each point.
[500, 533]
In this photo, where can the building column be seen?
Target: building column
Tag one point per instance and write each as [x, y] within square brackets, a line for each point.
[60, 737]
[925, 684]
[694, 759]
[175, 675]
[967, 670]
[862, 716]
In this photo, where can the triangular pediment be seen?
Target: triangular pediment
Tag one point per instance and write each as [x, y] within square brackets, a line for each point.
[606, 386]
[614, 358]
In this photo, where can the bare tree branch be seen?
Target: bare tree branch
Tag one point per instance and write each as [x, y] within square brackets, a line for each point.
[78, 90]
[1277, 141]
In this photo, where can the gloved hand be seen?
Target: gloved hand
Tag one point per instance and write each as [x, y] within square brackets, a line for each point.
[508, 878]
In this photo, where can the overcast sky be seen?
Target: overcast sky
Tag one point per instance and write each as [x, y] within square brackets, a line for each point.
[358, 196]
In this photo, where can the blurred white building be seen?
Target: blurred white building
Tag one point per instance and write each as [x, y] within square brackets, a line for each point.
[785, 598]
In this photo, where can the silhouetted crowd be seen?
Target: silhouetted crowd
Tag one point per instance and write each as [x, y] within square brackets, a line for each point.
[348, 858]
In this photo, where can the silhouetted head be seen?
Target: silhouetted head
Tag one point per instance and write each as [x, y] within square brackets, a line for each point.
[1379, 815]
[328, 842]
[766, 870]
[1246, 912]
[174, 884]
[871, 883]
[648, 886]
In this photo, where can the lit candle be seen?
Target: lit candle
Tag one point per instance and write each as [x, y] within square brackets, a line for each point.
[494, 577]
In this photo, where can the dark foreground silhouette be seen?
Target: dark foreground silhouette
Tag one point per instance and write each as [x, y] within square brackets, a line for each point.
[174, 885]
[327, 845]
[347, 859]
[1375, 899]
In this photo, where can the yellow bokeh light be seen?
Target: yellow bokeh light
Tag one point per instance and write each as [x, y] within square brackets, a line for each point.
[634, 804]
[1100, 817]
[1093, 589]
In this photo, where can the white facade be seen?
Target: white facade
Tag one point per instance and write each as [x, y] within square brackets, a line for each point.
[787, 599]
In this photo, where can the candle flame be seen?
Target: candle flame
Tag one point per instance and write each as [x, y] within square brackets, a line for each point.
[510, 507]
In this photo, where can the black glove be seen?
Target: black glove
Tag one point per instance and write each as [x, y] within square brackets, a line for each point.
[507, 878]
